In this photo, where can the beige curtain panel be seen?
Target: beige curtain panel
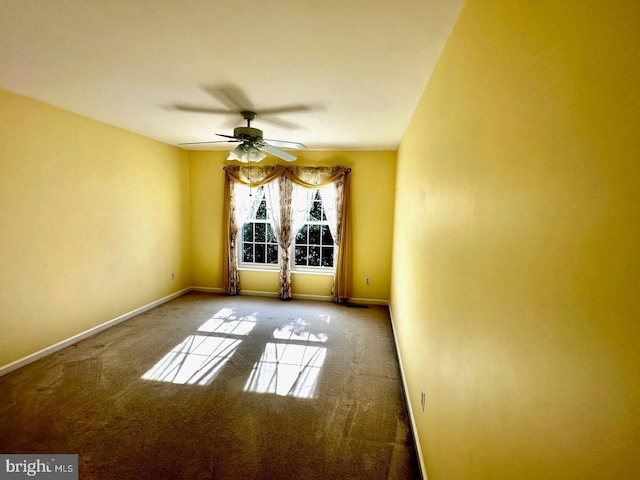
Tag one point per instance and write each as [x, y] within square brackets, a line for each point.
[280, 182]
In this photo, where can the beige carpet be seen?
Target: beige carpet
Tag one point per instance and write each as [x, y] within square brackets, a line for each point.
[215, 387]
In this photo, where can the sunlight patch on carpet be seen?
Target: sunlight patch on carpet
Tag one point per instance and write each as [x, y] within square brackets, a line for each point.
[197, 360]
[226, 323]
[288, 370]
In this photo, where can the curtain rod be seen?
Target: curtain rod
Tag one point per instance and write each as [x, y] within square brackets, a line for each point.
[347, 170]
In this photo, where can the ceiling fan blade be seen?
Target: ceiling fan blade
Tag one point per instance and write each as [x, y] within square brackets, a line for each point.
[227, 136]
[216, 141]
[278, 122]
[192, 109]
[235, 100]
[278, 153]
[283, 144]
[289, 109]
[230, 96]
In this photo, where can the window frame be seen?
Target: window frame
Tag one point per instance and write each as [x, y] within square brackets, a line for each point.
[242, 265]
[293, 268]
[313, 269]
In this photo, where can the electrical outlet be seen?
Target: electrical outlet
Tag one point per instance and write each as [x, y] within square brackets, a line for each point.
[367, 280]
[423, 398]
[173, 276]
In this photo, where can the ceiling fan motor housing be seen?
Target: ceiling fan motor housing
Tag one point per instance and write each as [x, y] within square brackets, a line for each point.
[248, 133]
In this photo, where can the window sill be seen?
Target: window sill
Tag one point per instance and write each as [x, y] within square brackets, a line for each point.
[323, 272]
[253, 268]
[326, 272]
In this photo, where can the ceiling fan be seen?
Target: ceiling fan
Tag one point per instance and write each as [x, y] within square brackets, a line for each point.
[253, 144]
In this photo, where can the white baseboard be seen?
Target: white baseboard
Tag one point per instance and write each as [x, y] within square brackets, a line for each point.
[295, 296]
[317, 298]
[208, 289]
[258, 293]
[412, 418]
[369, 301]
[21, 362]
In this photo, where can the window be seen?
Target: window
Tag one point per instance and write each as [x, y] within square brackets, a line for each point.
[314, 245]
[258, 245]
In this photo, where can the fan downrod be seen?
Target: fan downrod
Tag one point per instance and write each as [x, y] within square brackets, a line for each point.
[249, 116]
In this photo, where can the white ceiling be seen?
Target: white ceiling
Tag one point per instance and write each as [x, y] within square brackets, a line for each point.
[359, 66]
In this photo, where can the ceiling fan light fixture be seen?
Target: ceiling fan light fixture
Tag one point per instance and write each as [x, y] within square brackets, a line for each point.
[246, 153]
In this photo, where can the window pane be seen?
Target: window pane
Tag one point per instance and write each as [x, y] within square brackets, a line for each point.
[327, 257]
[247, 232]
[327, 238]
[301, 255]
[301, 236]
[261, 214]
[247, 252]
[314, 234]
[272, 253]
[271, 238]
[316, 211]
[260, 232]
[260, 253]
[314, 256]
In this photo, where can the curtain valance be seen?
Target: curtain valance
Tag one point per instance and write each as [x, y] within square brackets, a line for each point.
[307, 177]
[254, 177]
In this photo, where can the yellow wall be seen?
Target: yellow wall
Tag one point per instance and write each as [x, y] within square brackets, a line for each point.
[207, 219]
[517, 230]
[93, 220]
[372, 188]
